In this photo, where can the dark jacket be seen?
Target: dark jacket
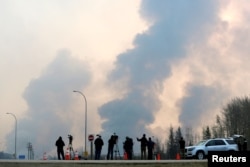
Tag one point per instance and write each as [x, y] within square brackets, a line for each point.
[60, 143]
[150, 145]
[98, 143]
[144, 142]
[128, 144]
[111, 142]
[182, 143]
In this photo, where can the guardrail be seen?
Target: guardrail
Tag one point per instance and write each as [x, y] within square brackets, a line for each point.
[100, 163]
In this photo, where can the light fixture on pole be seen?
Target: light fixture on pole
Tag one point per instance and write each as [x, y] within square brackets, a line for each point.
[85, 149]
[15, 130]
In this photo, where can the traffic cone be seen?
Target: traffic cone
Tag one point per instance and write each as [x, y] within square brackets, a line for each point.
[158, 156]
[76, 156]
[125, 157]
[45, 156]
[67, 156]
[178, 157]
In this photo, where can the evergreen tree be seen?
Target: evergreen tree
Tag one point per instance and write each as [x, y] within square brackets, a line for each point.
[171, 149]
[178, 136]
[206, 133]
[215, 132]
[157, 147]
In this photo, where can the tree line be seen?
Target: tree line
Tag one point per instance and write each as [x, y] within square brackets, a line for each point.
[233, 119]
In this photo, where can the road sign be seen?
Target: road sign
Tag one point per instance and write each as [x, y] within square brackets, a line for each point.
[21, 157]
[91, 137]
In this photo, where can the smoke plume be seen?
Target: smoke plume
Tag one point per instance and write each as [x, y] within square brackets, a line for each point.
[140, 72]
[50, 112]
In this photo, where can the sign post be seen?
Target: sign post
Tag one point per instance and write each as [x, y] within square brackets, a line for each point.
[91, 138]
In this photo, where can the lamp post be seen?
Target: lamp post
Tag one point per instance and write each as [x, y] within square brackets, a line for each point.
[85, 149]
[15, 129]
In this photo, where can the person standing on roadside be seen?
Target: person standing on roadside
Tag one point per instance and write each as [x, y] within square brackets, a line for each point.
[98, 147]
[144, 143]
[111, 144]
[182, 147]
[128, 147]
[60, 144]
[150, 145]
[240, 143]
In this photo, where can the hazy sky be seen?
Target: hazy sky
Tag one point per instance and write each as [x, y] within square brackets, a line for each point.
[142, 65]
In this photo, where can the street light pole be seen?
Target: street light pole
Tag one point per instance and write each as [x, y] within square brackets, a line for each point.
[85, 149]
[15, 129]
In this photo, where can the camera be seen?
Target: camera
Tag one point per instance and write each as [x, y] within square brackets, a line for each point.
[115, 138]
[70, 139]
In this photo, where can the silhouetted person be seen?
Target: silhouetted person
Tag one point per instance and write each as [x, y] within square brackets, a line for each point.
[245, 145]
[60, 144]
[182, 147]
[111, 143]
[150, 148]
[70, 139]
[98, 147]
[144, 142]
[128, 147]
[240, 143]
[70, 146]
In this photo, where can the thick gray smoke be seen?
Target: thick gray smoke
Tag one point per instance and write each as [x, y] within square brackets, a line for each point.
[48, 98]
[148, 64]
[200, 100]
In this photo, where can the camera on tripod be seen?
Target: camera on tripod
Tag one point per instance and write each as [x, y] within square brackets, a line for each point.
[115, 138]
[116, 149]
[70, 139]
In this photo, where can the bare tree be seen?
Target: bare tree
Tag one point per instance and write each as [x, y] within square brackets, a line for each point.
[189, 136]
[218, 129]
[236, 116]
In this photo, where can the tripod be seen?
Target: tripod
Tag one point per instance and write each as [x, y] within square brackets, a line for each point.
[71, 150]
[117, 151]
[115, 141]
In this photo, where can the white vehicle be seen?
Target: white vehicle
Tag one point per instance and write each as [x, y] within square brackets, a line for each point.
[200, 150]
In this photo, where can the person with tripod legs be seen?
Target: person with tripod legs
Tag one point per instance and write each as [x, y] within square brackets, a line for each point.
[70, 146]
[116, 150]
[111, 144]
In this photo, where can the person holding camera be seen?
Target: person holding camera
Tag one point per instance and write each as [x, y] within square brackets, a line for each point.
[111, 143]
